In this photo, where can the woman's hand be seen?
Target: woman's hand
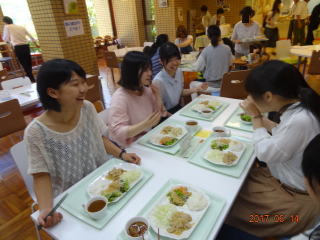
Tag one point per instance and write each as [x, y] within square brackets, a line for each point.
[237, 41]
[51, 220]
[152, 120]
[249, 106]
[204, 86]
[131, 158]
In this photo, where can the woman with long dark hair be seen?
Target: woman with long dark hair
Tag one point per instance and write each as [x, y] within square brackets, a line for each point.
[278, 190]
[214, 60]
[271, 24]
[154, 53]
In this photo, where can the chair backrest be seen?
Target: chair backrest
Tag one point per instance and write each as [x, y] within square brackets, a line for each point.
[314, 66]
[95, 90]
[111, 48]
[283, 48]
[103, 115]
[15, 83]
[147, 44]
[19, 154]
[111, 59]
[3, 75]
[11, 117]
[232, 85]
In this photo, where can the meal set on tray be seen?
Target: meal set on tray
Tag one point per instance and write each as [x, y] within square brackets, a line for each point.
[178, 211]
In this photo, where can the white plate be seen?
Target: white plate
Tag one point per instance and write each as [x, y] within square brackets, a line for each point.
[198, 107]
[238, 148]
[155, 139]
[101, 183]
[196, 215]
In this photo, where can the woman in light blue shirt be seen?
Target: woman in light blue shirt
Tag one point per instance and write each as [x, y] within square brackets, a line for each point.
[214, 60]
[170, 79]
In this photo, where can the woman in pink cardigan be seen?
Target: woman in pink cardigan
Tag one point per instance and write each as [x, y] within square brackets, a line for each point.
[135, 108]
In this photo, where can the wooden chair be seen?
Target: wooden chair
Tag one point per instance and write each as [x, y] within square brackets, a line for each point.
[232, 85]
[111, 62]
[11, 117]
[314, 66]
[94, 93]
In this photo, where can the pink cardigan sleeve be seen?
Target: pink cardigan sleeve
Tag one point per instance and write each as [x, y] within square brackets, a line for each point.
[118, 120]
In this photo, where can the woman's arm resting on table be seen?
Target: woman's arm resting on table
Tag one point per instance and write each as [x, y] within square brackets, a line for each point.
[114, 150]
[43, 188]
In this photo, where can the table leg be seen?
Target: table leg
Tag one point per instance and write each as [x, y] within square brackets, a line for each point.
[299, 62]
[304, 65]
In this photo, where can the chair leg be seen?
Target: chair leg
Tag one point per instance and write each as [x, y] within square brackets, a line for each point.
[113, 81]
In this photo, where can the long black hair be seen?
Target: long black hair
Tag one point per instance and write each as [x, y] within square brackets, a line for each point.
[133, 65]
[160, 40]
[311, 163]
[285, 80]
[214, 33]
[275, 7]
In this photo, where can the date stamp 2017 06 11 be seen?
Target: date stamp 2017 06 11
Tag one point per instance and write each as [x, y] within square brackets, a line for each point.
[273, 218]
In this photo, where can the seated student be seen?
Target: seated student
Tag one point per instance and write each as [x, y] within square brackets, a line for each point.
[183, 40]
[311, 171]
[229, 43]
[170, 79]
[135, 108]
[68, 140]
[154, 53]
[215, 60]
[278, 189]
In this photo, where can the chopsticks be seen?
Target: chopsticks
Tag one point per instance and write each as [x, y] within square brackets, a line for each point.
[53, 210]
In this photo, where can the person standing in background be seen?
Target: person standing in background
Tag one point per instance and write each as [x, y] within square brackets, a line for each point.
[246, 28]
[16, 35]
[206, 16]
[300, 15]
[271, 29]
[314, 22]
[219, 18]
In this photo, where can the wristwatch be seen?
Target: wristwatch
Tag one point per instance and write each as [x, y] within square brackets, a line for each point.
[121, 153]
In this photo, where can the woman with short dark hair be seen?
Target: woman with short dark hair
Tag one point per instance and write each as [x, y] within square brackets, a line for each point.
[135, 108]
[68, 140]
[154, 53]
[170, 79]
[278, 189]
[246, 28]
[183, 40]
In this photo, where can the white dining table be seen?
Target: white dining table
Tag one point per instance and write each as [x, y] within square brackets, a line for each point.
[164, 167]
[120, 53]
[303, 52]
[26, 95]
